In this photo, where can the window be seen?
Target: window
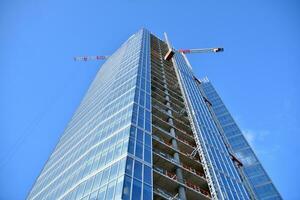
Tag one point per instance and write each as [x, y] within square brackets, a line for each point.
[254, 170]
[97, 181]
[247, 157]
[147, 139]
[129, 164]
[80, 190]
[147, 175]
[258, 180]
[265, 190]
[147, 154]
[148, 98]
[125, 146]
[131, 146]
[105, 176]
[140, 135]
[88, 186]
[114, 171]
[110, 190]
[147, 194]
[132, 131]
[101, 193]
[126, 189]
[147, 121]
[238, 142]
[119, 187]
[138, 170]
[122, 164]
[142, 97]
[101, 160]
[148, 126]
[141, 117]
[93, 196]
[139, 150]
[118, 150]
[136, 190]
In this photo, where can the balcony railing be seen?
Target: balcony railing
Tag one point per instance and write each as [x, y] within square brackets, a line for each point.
[169, 144]
[181, 165]
[176, 128]
[165, 194]
[180, 113]
[183, 135]
[185, 183]
[181, 123]
[197, 188]
[187, 143]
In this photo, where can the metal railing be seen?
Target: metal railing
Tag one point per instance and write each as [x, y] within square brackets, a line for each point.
[185, 183]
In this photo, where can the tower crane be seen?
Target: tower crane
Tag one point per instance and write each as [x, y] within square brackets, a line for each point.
[205, 50]
[172, 51]
[168, 56]
[87, 58]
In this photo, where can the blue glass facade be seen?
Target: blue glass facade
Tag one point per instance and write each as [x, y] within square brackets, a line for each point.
[224, 175]
[145, 130]
[138, 178]
[257, 177]
[92, 156]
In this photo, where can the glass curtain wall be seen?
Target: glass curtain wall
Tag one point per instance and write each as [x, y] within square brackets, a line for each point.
[91, 158]
[257, 177]
[225, 177]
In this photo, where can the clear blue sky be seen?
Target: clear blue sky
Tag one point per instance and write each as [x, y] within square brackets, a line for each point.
[41, 85]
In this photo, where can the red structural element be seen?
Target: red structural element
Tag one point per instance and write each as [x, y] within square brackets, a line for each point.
[184, 51]
[193, 171]
[197, 188]
[171, 175]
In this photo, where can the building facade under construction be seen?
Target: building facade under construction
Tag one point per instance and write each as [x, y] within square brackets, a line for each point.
[148, 129]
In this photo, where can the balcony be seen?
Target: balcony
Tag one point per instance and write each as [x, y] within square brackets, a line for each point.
[179, 115]
[179, 109]
[176, 125]
[157, 86]
[166, 126]
[166, 161]
[163, 114]
[168, 149]
[157, 75]
[183, 144]
[173, 99]
[165, 166]
[168, 181]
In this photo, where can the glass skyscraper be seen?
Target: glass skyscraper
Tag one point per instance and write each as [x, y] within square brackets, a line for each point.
[148, 129]
[257, 177]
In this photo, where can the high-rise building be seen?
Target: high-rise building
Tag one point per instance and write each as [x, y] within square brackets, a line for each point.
[257, 177]
[144, 130]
